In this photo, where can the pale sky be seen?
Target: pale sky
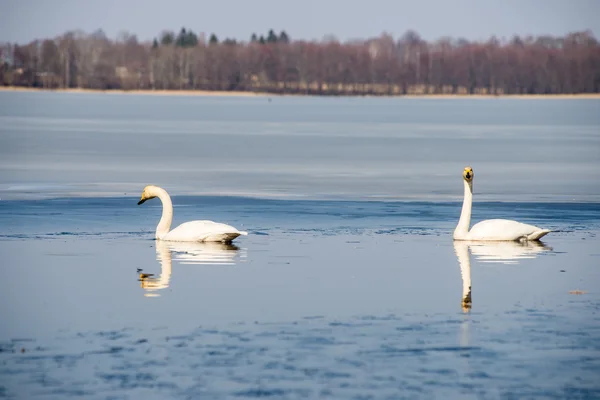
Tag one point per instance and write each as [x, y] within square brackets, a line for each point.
[24, 20]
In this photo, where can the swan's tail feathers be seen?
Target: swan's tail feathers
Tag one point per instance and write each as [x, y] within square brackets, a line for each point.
[224, 237]
[227, 237]
[537, 235]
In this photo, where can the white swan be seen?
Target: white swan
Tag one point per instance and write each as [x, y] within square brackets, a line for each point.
[193, 231]
[491, 229]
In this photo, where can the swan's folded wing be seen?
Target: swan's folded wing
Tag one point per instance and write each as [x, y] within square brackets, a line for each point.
[505, 229]
[201, 231]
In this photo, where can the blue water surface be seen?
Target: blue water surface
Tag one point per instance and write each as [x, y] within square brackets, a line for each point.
[323, 299]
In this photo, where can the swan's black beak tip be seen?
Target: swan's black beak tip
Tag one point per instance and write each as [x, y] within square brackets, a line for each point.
[468, 175]
[141, 201]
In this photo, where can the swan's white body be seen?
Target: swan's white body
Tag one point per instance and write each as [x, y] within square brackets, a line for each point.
[491, 229]
[192, 231]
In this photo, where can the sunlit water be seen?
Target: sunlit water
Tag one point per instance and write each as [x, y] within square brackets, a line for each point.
[349, 284]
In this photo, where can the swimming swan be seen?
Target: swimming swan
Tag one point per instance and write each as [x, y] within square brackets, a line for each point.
[491, 229]
[193, 231]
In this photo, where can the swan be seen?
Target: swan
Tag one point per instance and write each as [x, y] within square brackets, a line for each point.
[491, 229]
[192, 231]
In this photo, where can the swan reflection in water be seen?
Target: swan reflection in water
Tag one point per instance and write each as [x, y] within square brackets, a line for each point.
[508, 252]
[206, 253]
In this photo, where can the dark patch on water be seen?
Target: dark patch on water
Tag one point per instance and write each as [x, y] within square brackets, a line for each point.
[78, 235]
[279, 393]
[408, 230]
[112, 335]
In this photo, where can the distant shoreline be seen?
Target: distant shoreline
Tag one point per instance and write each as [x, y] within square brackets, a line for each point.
[219, 93]
[142, 92]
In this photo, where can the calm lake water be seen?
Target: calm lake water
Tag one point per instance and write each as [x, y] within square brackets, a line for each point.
[348, 285]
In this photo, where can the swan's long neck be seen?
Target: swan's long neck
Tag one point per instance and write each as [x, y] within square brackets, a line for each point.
[462, 228]
[164, 225]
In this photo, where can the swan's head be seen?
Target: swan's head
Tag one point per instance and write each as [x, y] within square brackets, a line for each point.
[468, 174]
[147, 194]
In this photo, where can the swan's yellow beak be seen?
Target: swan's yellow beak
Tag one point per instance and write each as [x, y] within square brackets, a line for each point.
[468, 174]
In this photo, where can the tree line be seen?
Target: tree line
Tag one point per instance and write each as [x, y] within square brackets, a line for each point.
[275, 63]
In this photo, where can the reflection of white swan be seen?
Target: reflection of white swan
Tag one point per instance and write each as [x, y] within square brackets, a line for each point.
[491, 229]
[506, 252]
[151, 284]
[193, 231]
[205, 253]
[462, 252]
[497, 252]
[188, 253]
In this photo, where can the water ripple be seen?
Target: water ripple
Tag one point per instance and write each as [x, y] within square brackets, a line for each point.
[369, 356]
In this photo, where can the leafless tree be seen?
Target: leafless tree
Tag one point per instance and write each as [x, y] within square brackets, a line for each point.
[275, 63]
